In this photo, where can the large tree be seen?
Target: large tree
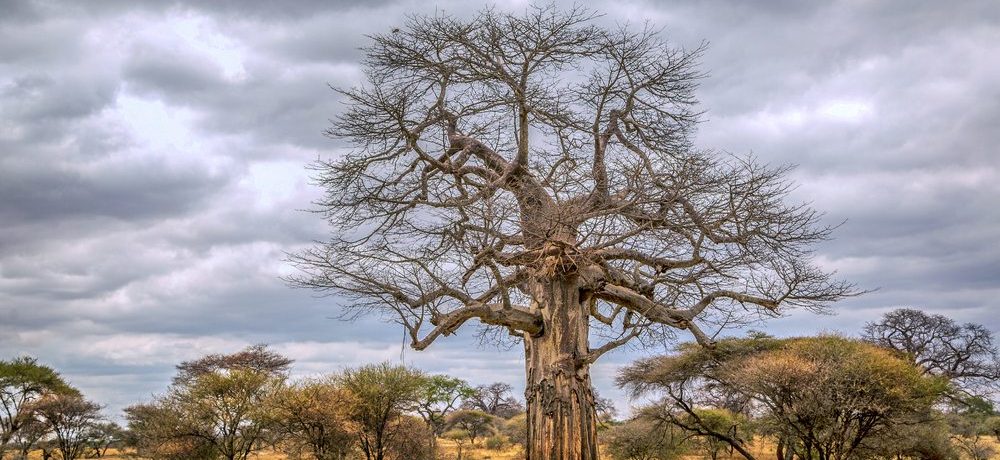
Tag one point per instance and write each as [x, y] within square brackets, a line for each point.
[535, 172]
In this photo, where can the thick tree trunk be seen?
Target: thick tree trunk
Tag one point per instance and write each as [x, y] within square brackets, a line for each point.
[562, 422]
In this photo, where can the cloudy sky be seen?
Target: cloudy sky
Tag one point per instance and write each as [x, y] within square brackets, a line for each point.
[152, 168]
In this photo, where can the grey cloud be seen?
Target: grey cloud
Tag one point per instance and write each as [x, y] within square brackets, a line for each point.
[161, 244]
[18, 11]
[266, 10]
[171, 74]
[142, 191]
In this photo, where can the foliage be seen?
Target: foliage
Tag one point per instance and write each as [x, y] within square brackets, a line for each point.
[23, 382]
[101, 436]
[160, 431]
[643, 439]
[255, 359]
[31, 435]
[972, 426]
[410, 439]
[460, 437]
[720, 420]
[218, 406]
[605, 408]
[476, 423]
[831, 395]
[496, 442]
[312, 416]
[515, 429]
[229, 410]
[929, 440]
[438, 396]
[827, 396]
[381, 393]
[69, 417]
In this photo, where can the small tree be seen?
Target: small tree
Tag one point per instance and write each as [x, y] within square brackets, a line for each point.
[313, 416]
[31, 434]
[439, 395]
[516, 430]
[605, 409]
[409, 439]
[22, 382]
[535, 172]
[159, 431]
[459, 437]
[217, 404]
[70, 418]
[643, 439]
[228, 404]
[971, 428]
[693, 378]
[476, 423]
[101, 436]
[381, 393]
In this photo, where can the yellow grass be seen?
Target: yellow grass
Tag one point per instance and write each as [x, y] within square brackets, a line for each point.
[448, 450]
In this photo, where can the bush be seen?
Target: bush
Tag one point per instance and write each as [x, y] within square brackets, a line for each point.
[640, 439]
[516, 430]
[496, 442]
[410, 439]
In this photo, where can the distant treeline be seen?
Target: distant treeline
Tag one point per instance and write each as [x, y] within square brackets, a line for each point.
[914, 386]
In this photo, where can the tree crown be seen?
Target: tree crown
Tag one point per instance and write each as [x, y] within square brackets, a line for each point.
[492, 155]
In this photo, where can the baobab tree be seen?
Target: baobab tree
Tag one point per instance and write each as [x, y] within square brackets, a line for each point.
[535, 172]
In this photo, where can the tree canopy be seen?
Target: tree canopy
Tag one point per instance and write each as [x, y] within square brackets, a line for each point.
[963, 353]
[24, 381]
[824, 397]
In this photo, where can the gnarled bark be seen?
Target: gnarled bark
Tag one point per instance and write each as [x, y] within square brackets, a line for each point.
[562, 422]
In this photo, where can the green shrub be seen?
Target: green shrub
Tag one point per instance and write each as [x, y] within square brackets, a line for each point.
[496, 442]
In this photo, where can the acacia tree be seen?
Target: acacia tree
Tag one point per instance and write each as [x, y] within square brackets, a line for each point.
[963, 353]
[474, 422]
[823, 397]
[312, 416]
[22, 383]
[217, 407]
[381, 393]
[438, 397]
[494, 399]
[70, 417]
[535, 172]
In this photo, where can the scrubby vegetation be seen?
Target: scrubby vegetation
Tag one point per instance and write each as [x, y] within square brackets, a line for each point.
[914, 386]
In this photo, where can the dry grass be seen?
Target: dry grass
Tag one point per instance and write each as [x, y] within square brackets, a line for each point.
[761, 448]
[448, 450]
[115, 454]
